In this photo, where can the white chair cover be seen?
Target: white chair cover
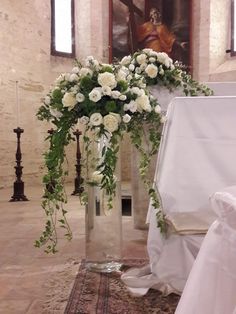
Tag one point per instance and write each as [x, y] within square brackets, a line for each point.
[196, 158]
[211, 285]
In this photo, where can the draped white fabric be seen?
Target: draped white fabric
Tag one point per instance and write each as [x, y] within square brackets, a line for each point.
[197, 157]
[211, 285]
[222, 88]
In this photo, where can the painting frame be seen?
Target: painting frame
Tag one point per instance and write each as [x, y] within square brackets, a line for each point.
[128, 17]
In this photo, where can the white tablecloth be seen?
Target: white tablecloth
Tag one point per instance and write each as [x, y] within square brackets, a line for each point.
[197, 157]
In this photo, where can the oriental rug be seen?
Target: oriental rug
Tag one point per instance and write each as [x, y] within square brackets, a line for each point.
[95, 293]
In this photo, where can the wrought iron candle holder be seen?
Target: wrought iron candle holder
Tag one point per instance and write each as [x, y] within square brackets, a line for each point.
[18, 193]
[78, 189]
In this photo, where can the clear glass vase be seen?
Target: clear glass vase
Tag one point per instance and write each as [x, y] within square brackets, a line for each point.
[104, 228]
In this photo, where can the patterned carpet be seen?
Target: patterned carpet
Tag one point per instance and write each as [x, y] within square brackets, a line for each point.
[95, 293]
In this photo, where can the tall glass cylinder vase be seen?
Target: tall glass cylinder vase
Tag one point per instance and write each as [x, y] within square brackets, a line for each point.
[104, 228]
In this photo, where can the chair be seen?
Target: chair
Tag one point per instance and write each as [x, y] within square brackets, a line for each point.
[196, 158]
[211, 285]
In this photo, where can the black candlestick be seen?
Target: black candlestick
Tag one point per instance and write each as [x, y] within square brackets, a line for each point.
[78, 180]
[18, 194]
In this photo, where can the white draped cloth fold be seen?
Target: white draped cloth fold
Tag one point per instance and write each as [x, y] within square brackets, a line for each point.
[211, 285]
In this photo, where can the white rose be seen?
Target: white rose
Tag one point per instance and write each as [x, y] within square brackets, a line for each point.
[107, 79]
[106, 90]
[143, 66]
[110, 122]
[151, 70]
[69, 100]
[115, 94]
[157, 109]
[96, 119]
[132, 106]
[141, 58]
[80, 97]
[89, 60]
[137, 76]
[131, 67]
[125, 60]
[84, 120]
[136, 90]
[164, 59]
[73, 77]
[126, 118]
[138, 70]
[152, 59]
[117, 116]
[95, 95]
[74, 89]
[147, 50]
[85, 71]
[75, 70]
[143, 103]
[47, 100]
[121, 75]
[129, 78]
[123, 97]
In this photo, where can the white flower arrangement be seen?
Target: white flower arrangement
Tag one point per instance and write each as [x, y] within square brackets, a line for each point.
[108, 100]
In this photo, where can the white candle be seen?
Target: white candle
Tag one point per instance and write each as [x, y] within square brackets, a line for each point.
[17, 105]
